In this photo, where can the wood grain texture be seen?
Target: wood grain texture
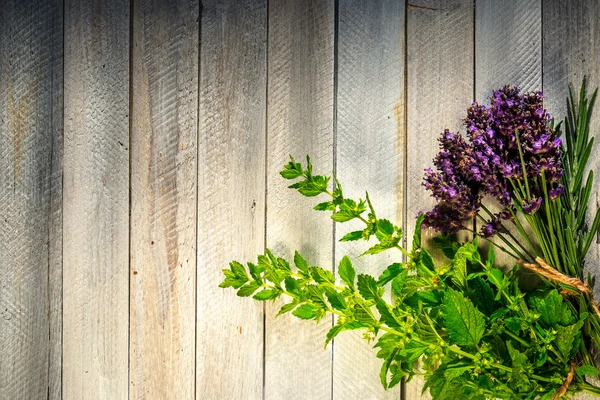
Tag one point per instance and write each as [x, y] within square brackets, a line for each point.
[231, 203]
[508, 51]
[96, 200]
[508, 46]
[370, 156]
[300, 122]
[440, 87]
[163, 199]
[571, 33]
[30, 221]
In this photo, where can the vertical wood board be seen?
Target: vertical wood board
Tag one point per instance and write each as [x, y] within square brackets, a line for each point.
[96, 200]
[370, 156]
[163, 199]
[300, 122]
[440, 88]
[231, 195]
[30, 165]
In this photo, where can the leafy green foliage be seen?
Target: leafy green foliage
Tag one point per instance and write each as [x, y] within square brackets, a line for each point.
[473, 332]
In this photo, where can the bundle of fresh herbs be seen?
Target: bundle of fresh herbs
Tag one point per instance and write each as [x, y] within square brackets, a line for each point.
[461, 321]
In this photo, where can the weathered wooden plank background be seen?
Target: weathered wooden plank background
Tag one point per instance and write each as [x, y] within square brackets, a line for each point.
[140, 144]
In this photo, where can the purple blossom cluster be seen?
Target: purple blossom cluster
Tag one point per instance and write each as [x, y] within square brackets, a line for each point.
[515, 130]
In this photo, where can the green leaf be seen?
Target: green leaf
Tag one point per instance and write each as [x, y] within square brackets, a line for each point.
[447, 244]
[367, 287]
[386, 315]
[287, 308]
[336, 300]
[265, 294]
[248, 289]
[352, 236]
[290, 173]
[292, 286]
[566, 337]
[459, 263]
[587, 370]
[326, 206]
[417, 234]
[464, 323]
[347, 272]
[491, 255]
[390, 273]
[238, 269]
[412, 351]
[378, 248]
[320, 275]
[551, 308]
[336, 329]
[301, 263]
[425, 259]
[482, 295]
[255, 271]
[306, 311]
[384, 229]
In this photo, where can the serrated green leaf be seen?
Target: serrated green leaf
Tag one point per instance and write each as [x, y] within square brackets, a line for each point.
[390, 273]
[325, 206]
[384, 229]
[424, 258]
[352, 236]
[300, 263]
[376, 249]
[347, 272]
[551, 308]
[255, 271]
[385, 314]
[320, 275]
[265, 294]
[447, 244]
[292, 286]
[336, 300]
[417, 234]
[290, 173]
[459, 264]
[464, 323]
[367, 287]
[306, 311]
[412, 351]
[482, 295]
[286, 308]
[238, 269]
[565, 338]
[248, 289]
[587, 370]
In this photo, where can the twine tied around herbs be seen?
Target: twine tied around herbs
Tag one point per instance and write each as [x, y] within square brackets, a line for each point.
[565, 386]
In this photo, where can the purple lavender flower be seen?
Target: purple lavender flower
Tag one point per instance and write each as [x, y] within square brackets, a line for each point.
[532, 206]
[556, 193]
[492, 158]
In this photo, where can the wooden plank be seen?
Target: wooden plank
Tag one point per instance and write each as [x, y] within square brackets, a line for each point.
[440, 88]
[508, 46]
[30, 161]
[300, 122]
[370, 156]
[96, 200]
[163, 199]
[508, 51]
[571, 32]
[231, 203]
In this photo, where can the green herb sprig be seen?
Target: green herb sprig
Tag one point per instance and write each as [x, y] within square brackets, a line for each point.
[476, 333]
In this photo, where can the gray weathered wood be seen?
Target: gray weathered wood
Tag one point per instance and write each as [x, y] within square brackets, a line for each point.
[30, 190]
[231, 203]
[164, 136]
[300, 122]
[508, 51]
[370, 156]
[96, 200]
[508, 46]
[440, 87]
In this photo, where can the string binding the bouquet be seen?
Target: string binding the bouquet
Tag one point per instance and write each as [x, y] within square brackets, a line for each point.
[542, 268]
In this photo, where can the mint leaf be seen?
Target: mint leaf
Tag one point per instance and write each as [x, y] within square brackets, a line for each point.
[551, 308]
[301, 263]
[390, 273]
[587, 370]
[248, 289]
[326, 206]
[347, 272]
[352, 236]
[464, 323]
[306, 311]
[286, 308]
[320, 275]
[416, 244]
[238, 269]
[265, 294]
[367, 287]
